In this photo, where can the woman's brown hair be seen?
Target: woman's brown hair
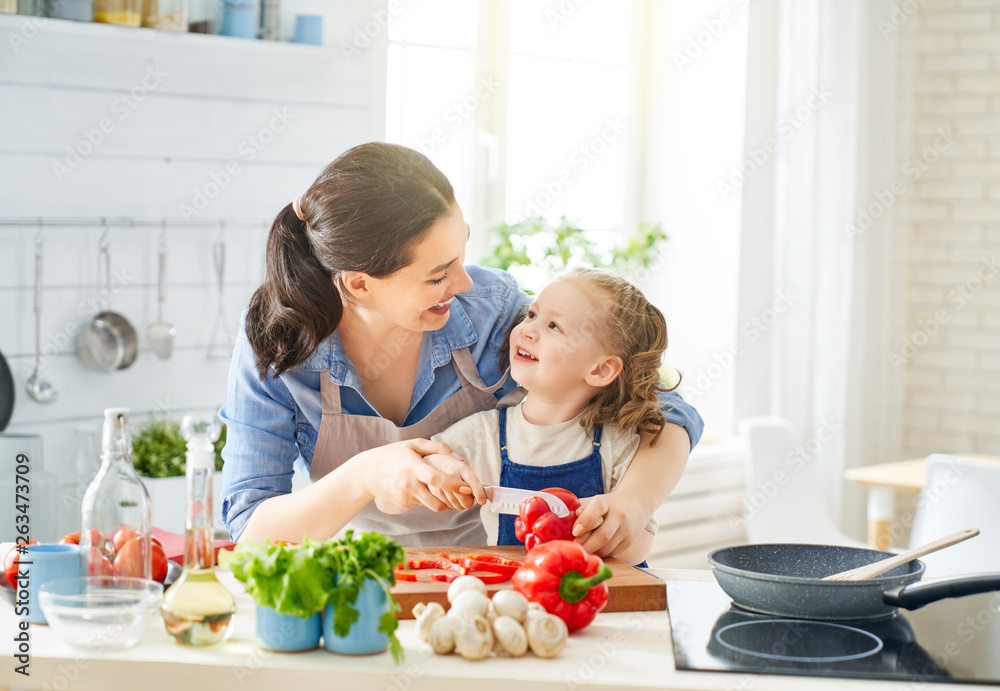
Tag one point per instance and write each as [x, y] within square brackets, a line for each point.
[635, 330]
[365, 212]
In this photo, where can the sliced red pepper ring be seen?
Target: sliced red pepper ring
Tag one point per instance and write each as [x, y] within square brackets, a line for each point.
[493, 563]
[505, 570]
[421, 564]
[491, 578]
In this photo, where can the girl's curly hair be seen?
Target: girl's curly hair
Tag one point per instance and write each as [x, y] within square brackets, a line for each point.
[636, 331]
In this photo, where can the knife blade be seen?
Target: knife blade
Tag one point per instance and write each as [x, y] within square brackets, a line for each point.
[508, 500]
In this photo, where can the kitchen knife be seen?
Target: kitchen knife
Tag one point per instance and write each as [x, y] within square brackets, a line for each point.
[508, 500]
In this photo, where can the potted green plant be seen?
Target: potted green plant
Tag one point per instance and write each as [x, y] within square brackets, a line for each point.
[347, 580]
[533, 250]
[158, 454]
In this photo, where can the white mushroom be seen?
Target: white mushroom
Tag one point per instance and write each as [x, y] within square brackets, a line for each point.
[441, 636]
[473, 637]
[534, 610]
[510, 603]
[464, 583]
[426, 615]
[510, 635]
[546, 635]
[470, 603]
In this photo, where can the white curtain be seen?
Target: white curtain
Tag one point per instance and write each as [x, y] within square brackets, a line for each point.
[823, 76]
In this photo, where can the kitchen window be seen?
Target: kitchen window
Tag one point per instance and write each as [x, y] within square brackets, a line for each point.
[548, 109]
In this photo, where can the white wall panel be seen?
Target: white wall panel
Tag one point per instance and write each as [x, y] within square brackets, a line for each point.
[214, 93]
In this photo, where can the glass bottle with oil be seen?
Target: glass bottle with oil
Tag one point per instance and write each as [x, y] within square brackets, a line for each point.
[197, 609]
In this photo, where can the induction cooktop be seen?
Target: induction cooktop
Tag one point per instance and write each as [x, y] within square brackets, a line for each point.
[954, 640]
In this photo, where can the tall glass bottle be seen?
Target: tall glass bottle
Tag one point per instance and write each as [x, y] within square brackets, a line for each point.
[115, 511]
[197, 609]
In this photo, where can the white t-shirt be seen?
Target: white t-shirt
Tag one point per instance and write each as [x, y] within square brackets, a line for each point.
[477, 440]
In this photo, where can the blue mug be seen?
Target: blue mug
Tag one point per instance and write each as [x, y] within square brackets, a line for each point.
[309, 29]
[44, 563]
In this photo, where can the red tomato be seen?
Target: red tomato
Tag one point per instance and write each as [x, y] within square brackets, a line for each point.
[155, 541]
[128, 561]
[10, 564]
[97, 564]
[71, 539]
[159, 563]
[123, 535]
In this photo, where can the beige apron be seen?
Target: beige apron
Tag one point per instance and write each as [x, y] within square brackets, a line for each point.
[342, 436]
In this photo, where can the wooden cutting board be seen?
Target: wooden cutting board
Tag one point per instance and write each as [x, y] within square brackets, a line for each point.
[629, 589]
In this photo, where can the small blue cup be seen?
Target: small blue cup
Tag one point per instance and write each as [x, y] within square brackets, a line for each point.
[309, 29]
[287, 633]
[44, 563]
[239, 19]
[364, 638]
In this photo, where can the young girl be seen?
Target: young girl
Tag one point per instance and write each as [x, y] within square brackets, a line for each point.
[587, 355]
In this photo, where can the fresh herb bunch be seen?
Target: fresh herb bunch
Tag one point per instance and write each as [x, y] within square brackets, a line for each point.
[159, 450]
[303, 579]
[374, 556]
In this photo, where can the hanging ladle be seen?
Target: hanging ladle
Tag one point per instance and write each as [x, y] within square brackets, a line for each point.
[39, 389]
[161, 333]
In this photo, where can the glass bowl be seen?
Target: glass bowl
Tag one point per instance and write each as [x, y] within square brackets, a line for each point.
[100, 612]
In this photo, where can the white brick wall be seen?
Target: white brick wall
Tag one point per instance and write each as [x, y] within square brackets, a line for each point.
[952, 224]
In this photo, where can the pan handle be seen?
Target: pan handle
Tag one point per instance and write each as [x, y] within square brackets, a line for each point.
[917, 595]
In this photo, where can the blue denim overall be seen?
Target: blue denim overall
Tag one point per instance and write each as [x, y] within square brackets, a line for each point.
[584, 477]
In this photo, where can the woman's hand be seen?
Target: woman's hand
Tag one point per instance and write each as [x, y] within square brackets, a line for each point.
[412, 473]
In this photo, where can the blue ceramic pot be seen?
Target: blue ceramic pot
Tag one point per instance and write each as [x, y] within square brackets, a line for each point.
[364, 637]
[286, 633]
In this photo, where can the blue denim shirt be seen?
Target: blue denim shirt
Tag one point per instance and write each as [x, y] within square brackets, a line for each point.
[273, 424]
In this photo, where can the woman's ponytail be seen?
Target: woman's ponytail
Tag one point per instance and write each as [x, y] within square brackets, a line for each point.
[298, 304]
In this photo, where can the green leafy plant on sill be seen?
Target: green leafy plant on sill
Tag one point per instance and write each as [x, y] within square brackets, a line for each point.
[534, 242]
[558, 247]
[159, 450]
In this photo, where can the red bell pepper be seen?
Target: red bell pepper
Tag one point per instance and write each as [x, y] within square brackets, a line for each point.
[565, 579]
[536, 524]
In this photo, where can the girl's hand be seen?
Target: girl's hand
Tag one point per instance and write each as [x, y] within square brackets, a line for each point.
[398, 476]
[606, 524]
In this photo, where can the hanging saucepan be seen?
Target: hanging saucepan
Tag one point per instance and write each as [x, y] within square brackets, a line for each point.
[6, 393]
[108, 341]
[786, 580]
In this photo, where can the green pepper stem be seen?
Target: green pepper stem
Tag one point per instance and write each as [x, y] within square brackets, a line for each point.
[574, 586]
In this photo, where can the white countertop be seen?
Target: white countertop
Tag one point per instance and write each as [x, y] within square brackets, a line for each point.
[620, 650]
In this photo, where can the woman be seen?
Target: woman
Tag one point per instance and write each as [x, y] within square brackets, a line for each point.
[367, 336]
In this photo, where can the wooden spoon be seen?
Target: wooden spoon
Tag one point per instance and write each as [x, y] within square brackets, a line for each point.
[877, 568]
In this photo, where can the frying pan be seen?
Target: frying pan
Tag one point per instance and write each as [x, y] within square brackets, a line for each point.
[6, 393]
[785, 579]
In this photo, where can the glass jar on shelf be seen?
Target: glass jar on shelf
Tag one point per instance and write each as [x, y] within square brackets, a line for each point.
[31, 8]
[204, 16]
[166, 15]
[123, 12]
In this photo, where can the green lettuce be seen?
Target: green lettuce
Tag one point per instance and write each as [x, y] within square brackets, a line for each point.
[302, 579]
